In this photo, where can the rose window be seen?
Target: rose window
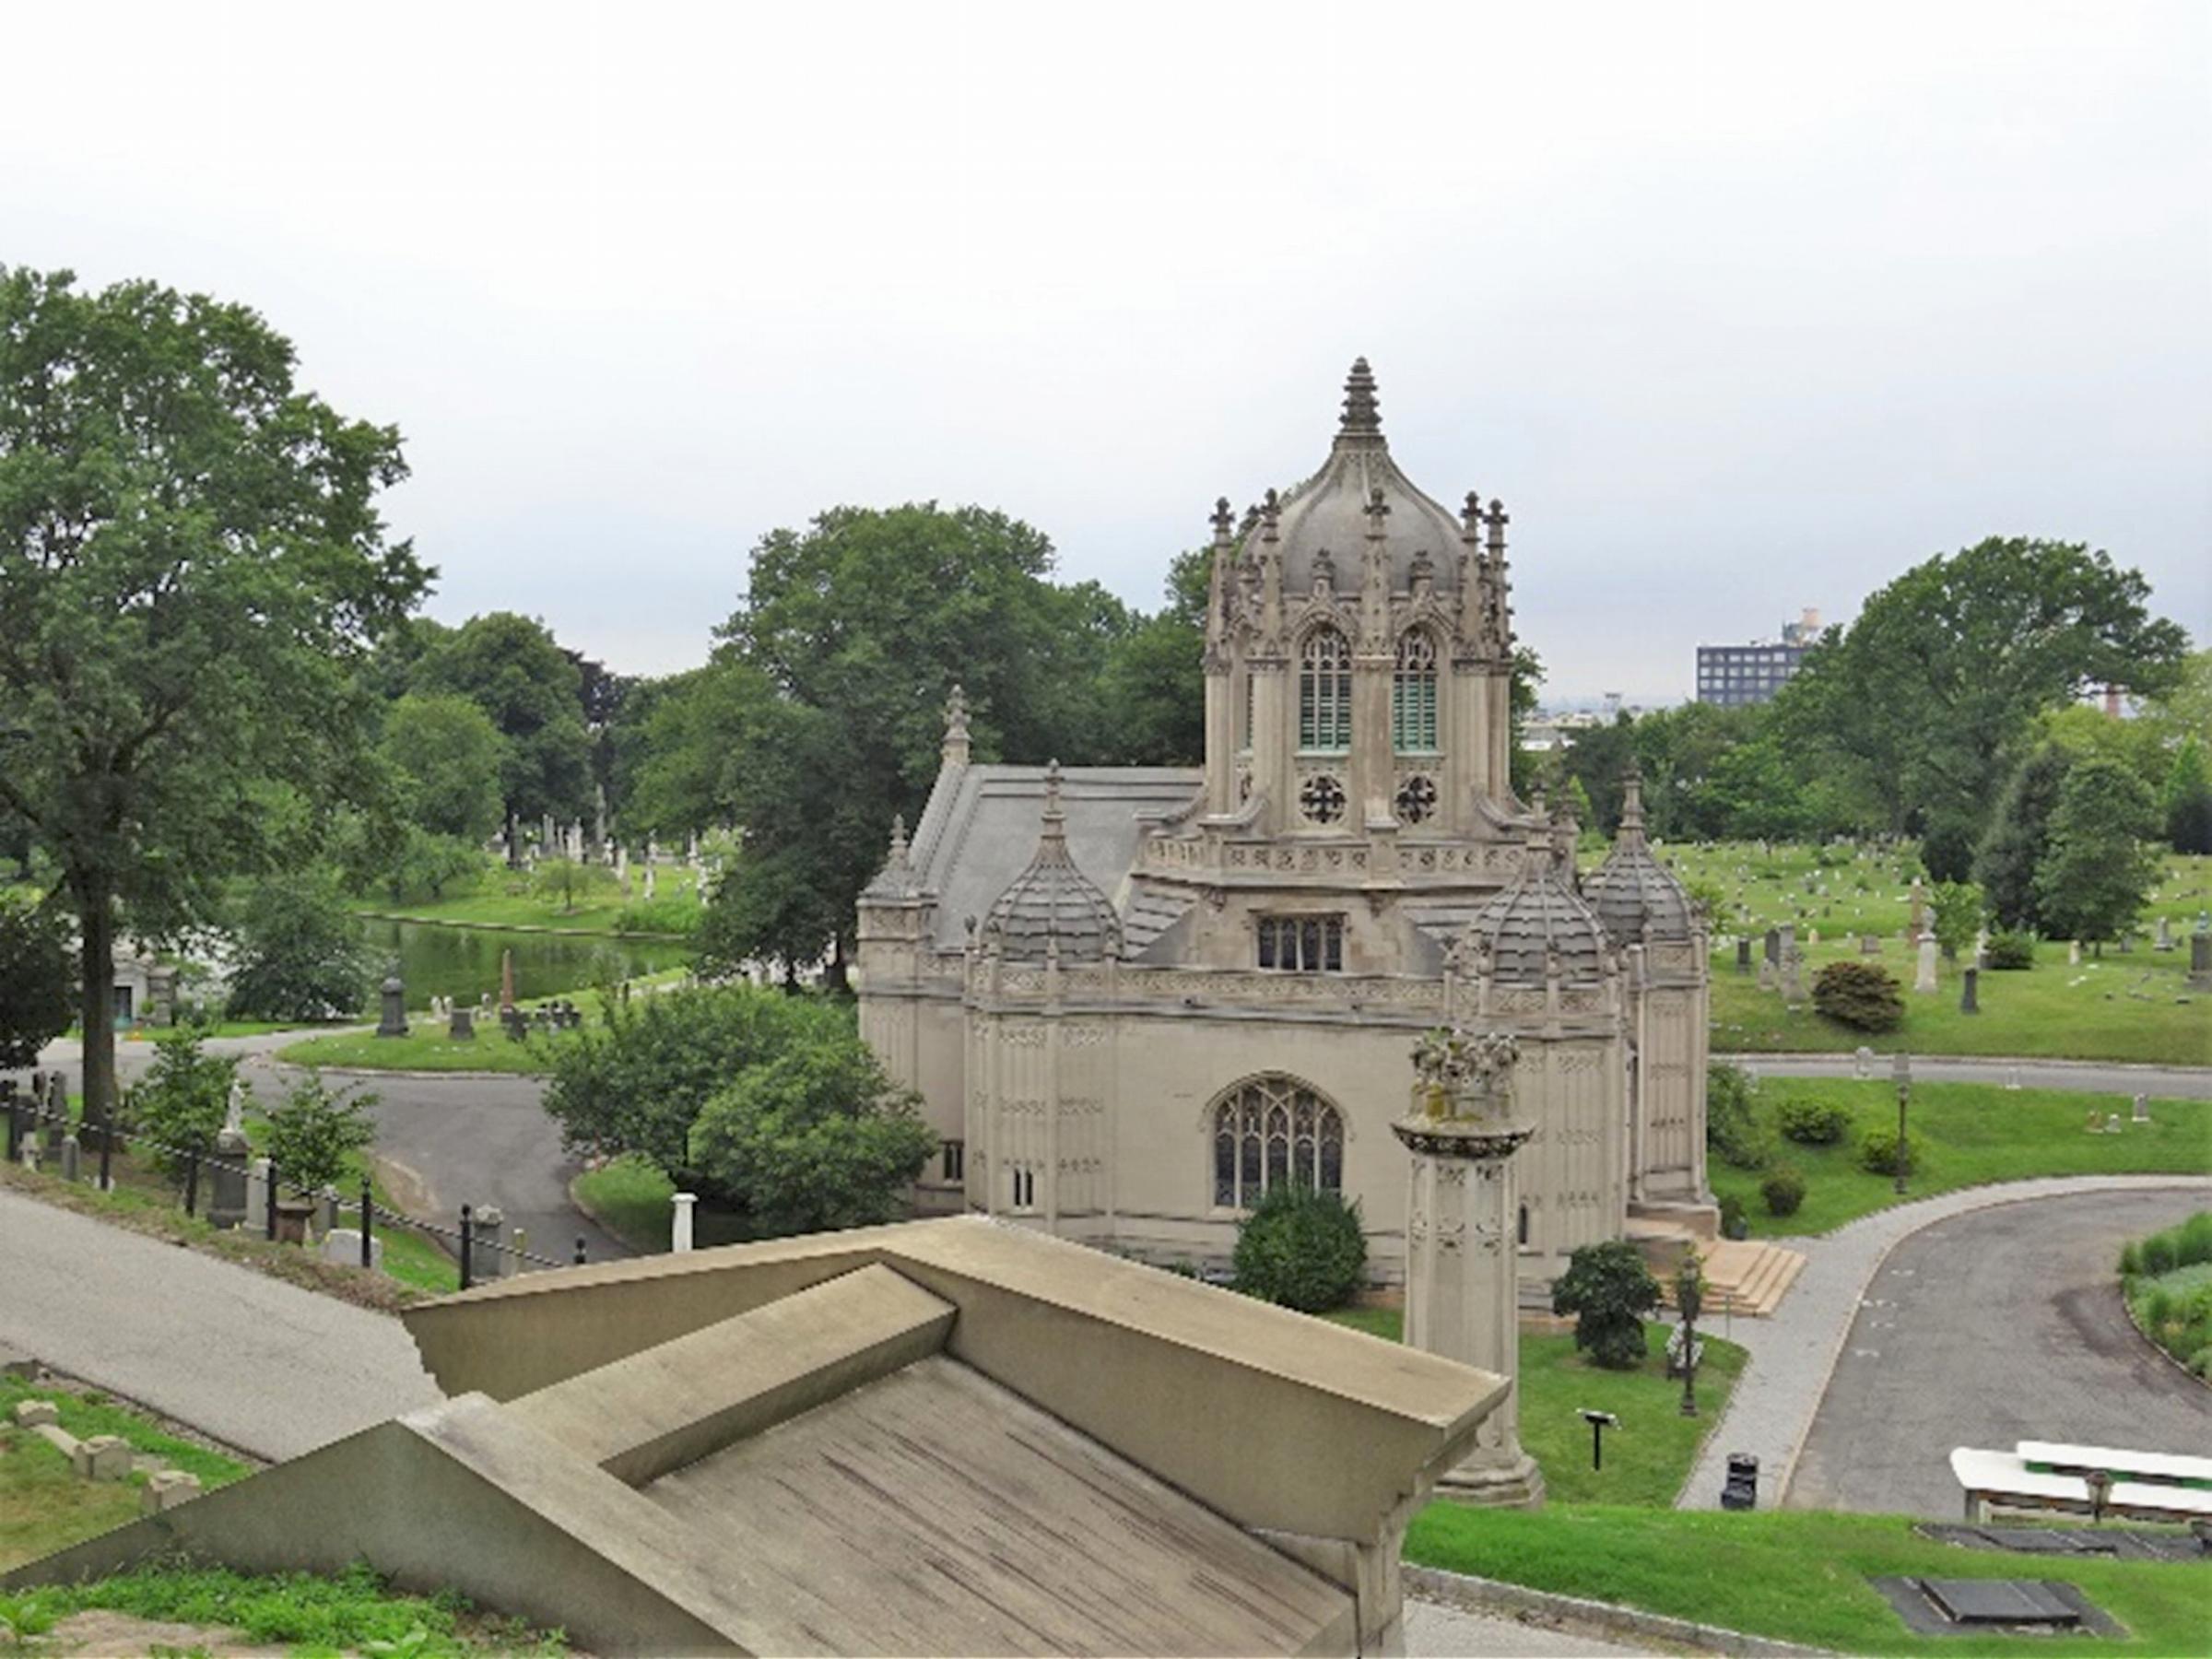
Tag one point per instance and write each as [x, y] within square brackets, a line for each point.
[1322, 799]
[1417, 799]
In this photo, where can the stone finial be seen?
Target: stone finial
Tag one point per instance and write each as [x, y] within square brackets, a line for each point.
[1632, 807]
[1271, 510]
[1055, 827]
[899, 860]
[1495, 520]
[1378, 512]
[955, 750]
[1223, 520]
[1362, 414]
[1470, 514]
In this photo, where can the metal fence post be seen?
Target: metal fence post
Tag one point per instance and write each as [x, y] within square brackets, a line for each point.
[107, 1146]
[191, 1182]
[268, 1209]
[14, 1122]
[365, 1212]
[466, 1210]
[580, 1250]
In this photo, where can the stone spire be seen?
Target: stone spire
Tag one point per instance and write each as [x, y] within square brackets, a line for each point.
[1362, 415]
[1631, 833]
[1052, 909]
[955, 749]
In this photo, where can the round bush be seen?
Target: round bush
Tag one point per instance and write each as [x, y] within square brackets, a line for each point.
[1783, 1191]
[1301, 1248]
[2130, 1261]
[1732, 1127]
[1859, 995]
[2010, 951]
[1733, 1223]
[2158, 1254]
[1815, 1123]
[1879, 1153]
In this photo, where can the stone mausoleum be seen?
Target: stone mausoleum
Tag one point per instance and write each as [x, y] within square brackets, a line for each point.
[1135, 998]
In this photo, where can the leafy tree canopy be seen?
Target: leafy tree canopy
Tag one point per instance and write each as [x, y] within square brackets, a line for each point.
[301, 954]
[532, 691]
[38, 985]
[192, 566]
[2018, 836]
[2099, 866]
[1609, 1290]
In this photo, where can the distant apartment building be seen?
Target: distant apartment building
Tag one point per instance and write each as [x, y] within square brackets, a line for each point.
[1735, 676]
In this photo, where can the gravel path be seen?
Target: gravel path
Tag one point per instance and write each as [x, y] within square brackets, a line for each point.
[1929, 1364]
[266, 1366]
[1794, 1353]
[1434, 1629]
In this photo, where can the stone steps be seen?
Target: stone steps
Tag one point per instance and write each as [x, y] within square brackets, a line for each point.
[1744, 1277]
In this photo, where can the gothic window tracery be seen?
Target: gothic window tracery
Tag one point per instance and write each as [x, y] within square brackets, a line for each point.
[1321, 799]
[1412, 694]
[1272, 1132]
[1417, 799]
[1324, 692]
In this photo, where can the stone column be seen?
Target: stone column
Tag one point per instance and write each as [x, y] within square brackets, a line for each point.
[1925, 981]
[1461, 1239]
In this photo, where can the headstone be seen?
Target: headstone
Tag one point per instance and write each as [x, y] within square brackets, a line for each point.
[2141, 1111]
[680, 1238]
[1870, 945]
[1981, 948]
[649, 881]
[2200, 960]
[464, 1027]
[2111, 1125]
[342, 1245]
[507, 979]
[164, 1489]
[1925, 981]
[2096, 1123]
[1862, 1062]
[1812, 935]
[2165, 939]
[487, 1229]
[260, 1194]
[394, 1022]
[2073, 953]
[1969, 988]
[1792, 975]
[1774, 946]
[1743, 955]
[1920, 908]
[326, 1212]
[1770, 977]
[2012, 1077]
[29, 1413]
[226, 1207]
[104, 1457]
[72, 1159]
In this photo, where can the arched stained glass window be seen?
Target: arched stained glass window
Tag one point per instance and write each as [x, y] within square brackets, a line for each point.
[1324, 692]
[1412, 694]
[1271, 1131]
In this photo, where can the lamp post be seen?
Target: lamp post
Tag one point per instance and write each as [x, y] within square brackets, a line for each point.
[1900, 1073]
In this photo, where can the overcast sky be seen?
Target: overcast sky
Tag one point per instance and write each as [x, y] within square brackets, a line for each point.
[1739, 309]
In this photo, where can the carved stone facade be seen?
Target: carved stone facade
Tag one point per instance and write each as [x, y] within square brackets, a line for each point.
[1132, 997]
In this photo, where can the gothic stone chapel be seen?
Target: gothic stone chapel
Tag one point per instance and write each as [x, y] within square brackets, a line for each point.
[1135, 998]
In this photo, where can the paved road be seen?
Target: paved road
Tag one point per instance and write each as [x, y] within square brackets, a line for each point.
[2001, 1325]
[450, 1140]
[2095, 1076]
[1771, 1408]
[264, 1365]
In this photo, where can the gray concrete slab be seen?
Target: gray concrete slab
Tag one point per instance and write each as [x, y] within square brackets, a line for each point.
[259, 1364]
[1990, 1328]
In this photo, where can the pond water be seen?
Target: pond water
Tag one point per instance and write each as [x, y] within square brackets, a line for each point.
[463, 962]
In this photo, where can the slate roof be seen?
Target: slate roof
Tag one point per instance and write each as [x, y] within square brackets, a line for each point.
[1632, 891]
[1051, 903]
[1536, 918]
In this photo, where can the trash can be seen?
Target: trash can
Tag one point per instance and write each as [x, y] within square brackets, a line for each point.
[1740, 1491]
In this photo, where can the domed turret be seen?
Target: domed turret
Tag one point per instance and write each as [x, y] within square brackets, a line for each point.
[1323, 524]
[1633, 892]
[1051, 904]
[1538, 922]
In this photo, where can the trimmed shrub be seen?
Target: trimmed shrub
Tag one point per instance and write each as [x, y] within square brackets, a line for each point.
[1732, 1127]
[1733, 1223]
[1879, 1152]
[1859, 995]
[1301, 1248]
[1783, 1191]
[1609, 1290]
[1814, 1123]
[2010, 952]
[2131, 1261]
[2158, 1254]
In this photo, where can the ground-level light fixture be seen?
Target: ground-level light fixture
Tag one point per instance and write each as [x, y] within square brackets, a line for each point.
[1599, 1422]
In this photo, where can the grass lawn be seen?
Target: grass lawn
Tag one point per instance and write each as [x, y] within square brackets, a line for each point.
[352, 1612]
[1648, 1457]
[425, 1048]
[45, 1507]
[1969, 1134]
[633, 1200]
[499, 898]
[1797, 1575]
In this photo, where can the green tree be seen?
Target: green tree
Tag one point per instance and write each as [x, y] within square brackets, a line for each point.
[2186, 801]
[300, 954]
[815, 1137]
[447, 753]
[36, 988]
[531, 690]
[1930, 692]
[821, 715]
[191, 567]
[2101, 866]
[318, 1136]
[1154, 682]
[181, 1101]
[1609, 1290]
[564, 882]
[2018, 835]
[1959, 911]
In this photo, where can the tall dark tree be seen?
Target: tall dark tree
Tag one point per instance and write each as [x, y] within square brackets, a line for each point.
[1154, 685]
[511, 667]
[192, 570]
[2186, 800]
[1931, 692]
[2101, 864]
[2018, 836]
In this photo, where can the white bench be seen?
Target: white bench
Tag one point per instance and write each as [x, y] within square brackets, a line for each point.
[2005, 1478]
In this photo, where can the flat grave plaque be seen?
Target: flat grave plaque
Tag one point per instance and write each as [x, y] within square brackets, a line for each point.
[1999, 1601]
